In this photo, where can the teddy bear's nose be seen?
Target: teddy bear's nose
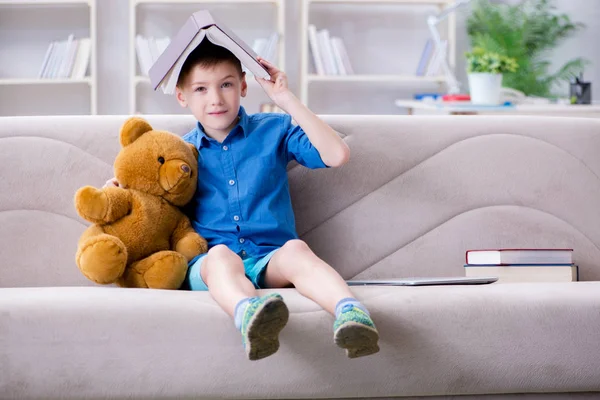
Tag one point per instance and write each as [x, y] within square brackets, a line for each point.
[185, 168]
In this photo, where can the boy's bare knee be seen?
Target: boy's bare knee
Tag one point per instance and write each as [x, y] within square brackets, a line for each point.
[219, 251]
[295, 246]
[221, 257]
[293, 258]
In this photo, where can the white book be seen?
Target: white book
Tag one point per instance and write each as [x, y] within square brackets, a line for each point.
[218, 37]
[162, 44]
[79, 56]
[435, 65]
[519, 256]
[153, 48]
[315, 50]
[144, 54]
[72, 56]
[62, 69]
[526, 273]
[345, 58]
[83, 58]
[46, 59]
[337, 55]
[57, 60]
[327, 52]
[259, 46]
[164, 73]
[139, 49]
[271, 52]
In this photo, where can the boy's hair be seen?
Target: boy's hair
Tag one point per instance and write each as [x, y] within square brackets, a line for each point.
[207, 54]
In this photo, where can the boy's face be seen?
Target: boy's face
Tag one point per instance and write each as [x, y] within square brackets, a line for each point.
[213, 96]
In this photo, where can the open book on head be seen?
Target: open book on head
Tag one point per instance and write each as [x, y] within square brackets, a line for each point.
[200, 25]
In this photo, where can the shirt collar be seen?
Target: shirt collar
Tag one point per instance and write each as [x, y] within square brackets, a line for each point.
[242, 124]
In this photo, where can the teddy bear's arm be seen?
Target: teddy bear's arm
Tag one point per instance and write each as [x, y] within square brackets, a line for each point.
[186, 241]
[102, 206]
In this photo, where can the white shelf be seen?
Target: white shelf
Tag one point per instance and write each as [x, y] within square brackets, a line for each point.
[92, 79]
[203, 1]
[307, 78]
[373, 78]
[425, 2]
[38, 81]
[45, 2]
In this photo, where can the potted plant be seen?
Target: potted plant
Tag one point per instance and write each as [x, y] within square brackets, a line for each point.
[527, 31]
[485, 71]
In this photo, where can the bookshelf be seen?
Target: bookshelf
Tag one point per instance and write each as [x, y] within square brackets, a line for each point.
[308, 77]
[173, 13]
[20, 81]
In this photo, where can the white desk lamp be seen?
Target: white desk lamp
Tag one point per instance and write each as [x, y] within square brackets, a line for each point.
[432, 21]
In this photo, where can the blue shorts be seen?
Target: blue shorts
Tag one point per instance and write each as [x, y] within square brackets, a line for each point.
[255, 268]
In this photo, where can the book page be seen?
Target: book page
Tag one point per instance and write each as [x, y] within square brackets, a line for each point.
[219, 38]
[170, 80]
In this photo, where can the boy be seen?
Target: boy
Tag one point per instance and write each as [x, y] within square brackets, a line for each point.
[242, 205]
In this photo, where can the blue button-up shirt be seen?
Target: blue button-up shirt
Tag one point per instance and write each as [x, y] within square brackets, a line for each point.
[243, 199]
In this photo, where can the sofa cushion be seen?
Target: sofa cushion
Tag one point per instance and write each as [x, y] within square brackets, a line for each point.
[112, 342]
[417, 193]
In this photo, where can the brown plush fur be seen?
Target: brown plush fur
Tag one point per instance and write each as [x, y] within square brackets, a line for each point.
[139, 238]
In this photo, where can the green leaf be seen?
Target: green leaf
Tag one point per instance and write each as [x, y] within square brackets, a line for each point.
[526, 32]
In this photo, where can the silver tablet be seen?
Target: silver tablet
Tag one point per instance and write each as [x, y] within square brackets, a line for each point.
[424, 281]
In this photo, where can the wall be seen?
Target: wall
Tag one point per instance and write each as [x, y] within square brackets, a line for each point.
[381, 38]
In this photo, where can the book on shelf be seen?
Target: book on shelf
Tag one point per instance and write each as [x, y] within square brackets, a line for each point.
[430, 63]
[200, 25]
[66, 59]
[425, 56]
[266, 48]
[148, 49]
[519, 256]
[329, 53]
[525, 272]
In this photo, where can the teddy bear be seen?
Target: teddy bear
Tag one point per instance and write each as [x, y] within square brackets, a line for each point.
[139, 236]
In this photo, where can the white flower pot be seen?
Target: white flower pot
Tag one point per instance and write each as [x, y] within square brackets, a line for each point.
[485, 88]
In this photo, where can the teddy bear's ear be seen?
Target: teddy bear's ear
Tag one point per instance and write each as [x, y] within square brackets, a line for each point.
[132, 129]
[194, 150]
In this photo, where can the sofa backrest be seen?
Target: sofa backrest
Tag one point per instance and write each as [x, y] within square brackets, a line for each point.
[417, 193]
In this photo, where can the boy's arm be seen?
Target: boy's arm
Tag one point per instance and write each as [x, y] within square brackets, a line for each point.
[332, 149]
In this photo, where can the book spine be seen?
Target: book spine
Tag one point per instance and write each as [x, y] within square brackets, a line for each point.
[315, 50]
[169, 57]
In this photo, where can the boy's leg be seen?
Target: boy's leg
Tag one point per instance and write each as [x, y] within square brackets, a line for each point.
[223, 272]
[296, 264]
[260, 319]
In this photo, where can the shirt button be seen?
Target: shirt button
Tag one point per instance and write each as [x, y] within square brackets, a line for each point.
[243, 252]
[236, 217]
[225, 148]
[231, 182]
[242, 240]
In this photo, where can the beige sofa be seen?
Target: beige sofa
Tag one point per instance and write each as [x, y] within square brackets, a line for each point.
[417, 193]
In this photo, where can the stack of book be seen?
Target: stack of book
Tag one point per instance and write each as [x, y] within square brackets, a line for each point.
[66, 59]
[523, 265]
[328, 53]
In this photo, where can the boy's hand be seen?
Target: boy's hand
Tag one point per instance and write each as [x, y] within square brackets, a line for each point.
[277, 87]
